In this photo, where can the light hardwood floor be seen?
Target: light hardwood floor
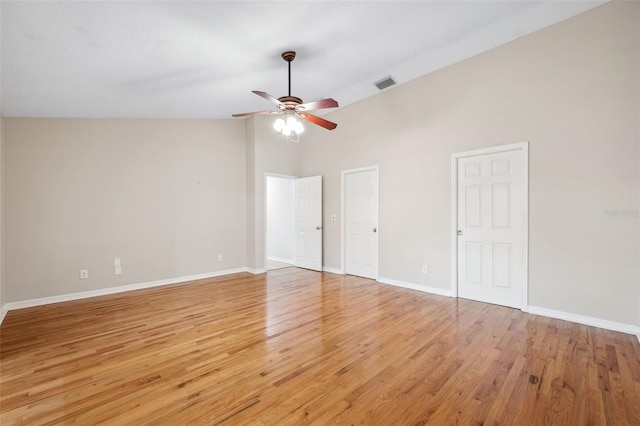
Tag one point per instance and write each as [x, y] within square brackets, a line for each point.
[297, 347]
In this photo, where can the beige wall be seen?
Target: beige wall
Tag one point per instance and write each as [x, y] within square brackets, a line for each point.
[166, 196]
[571, 90]
[250, 141]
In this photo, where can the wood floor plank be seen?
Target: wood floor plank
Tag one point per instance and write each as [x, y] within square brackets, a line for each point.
[298, 347]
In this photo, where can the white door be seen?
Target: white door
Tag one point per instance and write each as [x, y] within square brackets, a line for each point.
[361, 223]
[309, 223]
[491, 227]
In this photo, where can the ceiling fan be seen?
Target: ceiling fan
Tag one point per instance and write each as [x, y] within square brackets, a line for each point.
[291, 106]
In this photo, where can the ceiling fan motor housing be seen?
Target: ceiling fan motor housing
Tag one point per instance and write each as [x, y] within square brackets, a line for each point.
[290, 102]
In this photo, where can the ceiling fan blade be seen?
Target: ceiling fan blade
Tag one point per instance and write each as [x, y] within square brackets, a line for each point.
[322, 103]
[267, 97]
[247, 114]
[317, 120]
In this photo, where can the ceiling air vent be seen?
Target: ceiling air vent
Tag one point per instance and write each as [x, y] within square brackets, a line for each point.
[384, 83]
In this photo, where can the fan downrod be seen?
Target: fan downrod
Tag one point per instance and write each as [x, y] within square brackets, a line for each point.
[290, 102]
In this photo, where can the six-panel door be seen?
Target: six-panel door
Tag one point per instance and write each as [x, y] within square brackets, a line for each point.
[490, 228]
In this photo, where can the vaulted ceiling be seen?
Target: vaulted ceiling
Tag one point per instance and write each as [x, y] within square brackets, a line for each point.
[183, 59]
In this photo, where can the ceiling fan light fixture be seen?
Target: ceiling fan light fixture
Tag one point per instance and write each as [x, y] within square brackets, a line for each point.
[294, 124]
[278, 125]
[288, 125]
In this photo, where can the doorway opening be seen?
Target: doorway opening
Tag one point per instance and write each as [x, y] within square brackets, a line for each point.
[280, 222]
[293, 218]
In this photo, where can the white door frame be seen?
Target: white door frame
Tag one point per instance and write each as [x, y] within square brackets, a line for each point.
[266, 237]
[524, 148]
[343, 202]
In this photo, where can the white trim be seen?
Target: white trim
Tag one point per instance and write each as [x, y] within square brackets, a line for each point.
[581, 319]
[454, 226]
[638, 336]
[342, 222]
[281, 259]
[332, 270]
[278, 175]
[3, 312]
[113, 290]
[492, 149]
[256, 271]
[524, 147]
[412, 286]
[343, 178]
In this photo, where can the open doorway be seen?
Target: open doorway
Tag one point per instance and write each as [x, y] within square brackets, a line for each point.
[280, 221]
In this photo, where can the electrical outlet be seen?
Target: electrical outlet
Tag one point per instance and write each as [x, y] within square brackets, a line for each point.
[425, 269]
[84, 274]
[219, 258]
[117, 270]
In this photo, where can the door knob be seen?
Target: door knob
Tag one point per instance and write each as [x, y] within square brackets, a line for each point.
[375, 229]
[318, 227]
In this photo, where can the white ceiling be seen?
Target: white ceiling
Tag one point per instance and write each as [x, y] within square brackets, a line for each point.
[182, 59]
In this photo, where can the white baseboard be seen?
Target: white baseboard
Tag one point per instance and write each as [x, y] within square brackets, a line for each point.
[111, 290]
[281, 259]
[332, 270]
[580, 319]
[3, 312]
[255, 271]
[412, 286]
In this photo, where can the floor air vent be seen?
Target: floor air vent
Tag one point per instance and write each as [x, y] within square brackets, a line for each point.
[384, 83]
